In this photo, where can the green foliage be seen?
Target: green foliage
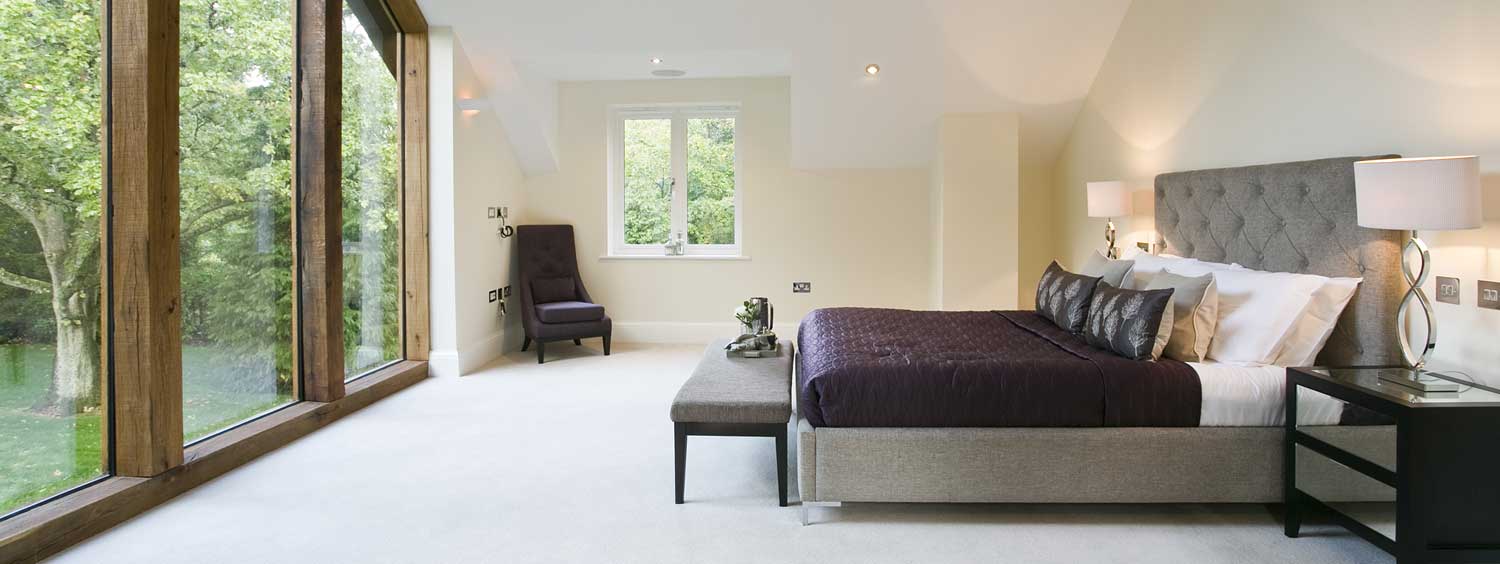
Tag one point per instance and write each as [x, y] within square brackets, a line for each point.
[710, 181]
[372, 235]
[648, 189]
[236, 100]
[710, 167]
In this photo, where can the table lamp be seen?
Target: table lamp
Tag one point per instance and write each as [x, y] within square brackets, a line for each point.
[1434, 193]
[1109, 200]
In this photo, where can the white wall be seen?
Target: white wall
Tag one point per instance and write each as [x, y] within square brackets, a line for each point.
[860, 236]
[1192, 84]
[978, 188]
[472, 168]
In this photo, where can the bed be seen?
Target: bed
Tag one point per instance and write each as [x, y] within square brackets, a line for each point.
[1067, 424]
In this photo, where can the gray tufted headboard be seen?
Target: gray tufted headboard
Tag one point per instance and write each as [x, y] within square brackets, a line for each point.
[1292, 217]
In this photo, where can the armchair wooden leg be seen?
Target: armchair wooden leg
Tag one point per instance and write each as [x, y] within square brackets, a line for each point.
[578, 342]
[541, 351]
[606, 344]
[525, 344]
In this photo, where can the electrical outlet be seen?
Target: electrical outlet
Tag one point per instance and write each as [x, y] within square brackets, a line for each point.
[505, 292]
[492, 212]
[1489, 294]
[494, 295]
[504, 212]
[1447, 290]
[802, 287]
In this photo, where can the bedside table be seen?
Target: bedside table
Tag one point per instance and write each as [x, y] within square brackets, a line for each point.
[1444, 475]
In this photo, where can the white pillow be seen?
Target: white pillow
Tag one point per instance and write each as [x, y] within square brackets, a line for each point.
[1148, 265]
[1311, 332]
[1257, 311]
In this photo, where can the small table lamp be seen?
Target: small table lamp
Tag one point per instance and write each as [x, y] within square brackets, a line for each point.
[1436, 193]
[1109, 200]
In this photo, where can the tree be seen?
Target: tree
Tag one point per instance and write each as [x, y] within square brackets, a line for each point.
[235, 90]
[50, 175]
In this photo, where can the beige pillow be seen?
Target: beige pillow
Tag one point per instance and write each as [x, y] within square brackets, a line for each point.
[1195, 310]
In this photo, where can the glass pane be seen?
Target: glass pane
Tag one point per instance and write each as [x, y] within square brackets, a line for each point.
[710, 170]
[1361, 497]
[50, 438]
[648, 181]
[236, 104]
[371, 155]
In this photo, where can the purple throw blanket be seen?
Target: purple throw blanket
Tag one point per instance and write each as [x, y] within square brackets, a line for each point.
[864, 367]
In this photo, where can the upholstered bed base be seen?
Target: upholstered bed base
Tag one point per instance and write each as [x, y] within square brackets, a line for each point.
[1072, 465]
[1285, 217]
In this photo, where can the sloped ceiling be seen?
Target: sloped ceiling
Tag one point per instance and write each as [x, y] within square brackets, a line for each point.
[1036, 58]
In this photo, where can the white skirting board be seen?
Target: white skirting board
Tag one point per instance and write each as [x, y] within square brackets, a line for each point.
[468, 358]
[686, 332]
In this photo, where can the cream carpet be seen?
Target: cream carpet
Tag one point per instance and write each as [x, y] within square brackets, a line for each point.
[571, 461]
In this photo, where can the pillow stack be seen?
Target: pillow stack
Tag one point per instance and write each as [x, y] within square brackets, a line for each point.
[1196, 311]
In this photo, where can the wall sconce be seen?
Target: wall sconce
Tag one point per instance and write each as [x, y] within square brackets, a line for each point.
[471, 104]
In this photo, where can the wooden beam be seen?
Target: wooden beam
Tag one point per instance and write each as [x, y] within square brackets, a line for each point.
[408, 16]
[48, 529]
[414, 194]
[316, 225]
[144, 341]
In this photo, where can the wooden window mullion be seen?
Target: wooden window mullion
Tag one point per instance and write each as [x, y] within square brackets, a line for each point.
[414, 169]
[143, 290]
[318, 278]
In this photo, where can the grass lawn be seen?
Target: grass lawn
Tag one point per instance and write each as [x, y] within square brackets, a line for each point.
[43, 455]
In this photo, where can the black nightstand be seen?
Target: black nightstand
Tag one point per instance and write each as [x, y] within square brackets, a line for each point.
[1444, 469]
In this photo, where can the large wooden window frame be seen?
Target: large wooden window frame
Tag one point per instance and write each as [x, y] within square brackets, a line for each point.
[146, 460]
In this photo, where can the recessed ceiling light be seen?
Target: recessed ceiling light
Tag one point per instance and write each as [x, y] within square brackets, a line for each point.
[655, 60]
[668, 73]
[872, 69]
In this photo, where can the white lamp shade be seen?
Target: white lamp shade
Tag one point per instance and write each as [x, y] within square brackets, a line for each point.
[1109, 199]
[1434, 193]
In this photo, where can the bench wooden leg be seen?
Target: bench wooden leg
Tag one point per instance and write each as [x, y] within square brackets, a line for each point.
[541, 350]
[681, 453]
[781, 464]
[578, 342]
[525, 344]
[606, 344]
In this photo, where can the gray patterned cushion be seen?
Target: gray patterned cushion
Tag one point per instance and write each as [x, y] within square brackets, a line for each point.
[1134, 324]
[1063, 297]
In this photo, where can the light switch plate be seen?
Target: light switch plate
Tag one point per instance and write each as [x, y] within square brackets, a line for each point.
[492, 213]
[494, 295]
[1489, 294]
[802, 287]
[1447, 290]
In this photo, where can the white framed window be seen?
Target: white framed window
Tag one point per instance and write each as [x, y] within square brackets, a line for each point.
[673, 175]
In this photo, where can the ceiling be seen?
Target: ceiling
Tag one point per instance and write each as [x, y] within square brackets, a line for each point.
[936, 56]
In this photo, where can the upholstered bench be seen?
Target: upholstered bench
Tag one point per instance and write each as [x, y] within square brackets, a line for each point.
[736, 397]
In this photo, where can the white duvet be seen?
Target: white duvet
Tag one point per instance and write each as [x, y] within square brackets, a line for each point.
[1255, 396]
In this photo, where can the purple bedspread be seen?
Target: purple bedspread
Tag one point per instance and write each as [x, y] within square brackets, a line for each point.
[864, 367]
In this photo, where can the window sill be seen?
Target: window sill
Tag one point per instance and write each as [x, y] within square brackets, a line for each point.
[709, 258]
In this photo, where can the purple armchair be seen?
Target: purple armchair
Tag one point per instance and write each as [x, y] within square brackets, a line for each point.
[554, 304]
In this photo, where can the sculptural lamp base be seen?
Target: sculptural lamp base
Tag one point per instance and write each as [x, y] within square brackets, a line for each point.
[1112, 252]
[1414, 360]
